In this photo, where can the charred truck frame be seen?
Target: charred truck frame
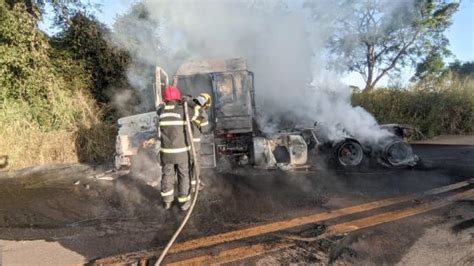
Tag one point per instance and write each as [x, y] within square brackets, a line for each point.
[234, 135]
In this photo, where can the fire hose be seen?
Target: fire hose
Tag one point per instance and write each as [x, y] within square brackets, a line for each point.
[196, 172]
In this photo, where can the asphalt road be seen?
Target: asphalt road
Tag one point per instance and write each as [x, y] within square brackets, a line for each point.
[62, 216]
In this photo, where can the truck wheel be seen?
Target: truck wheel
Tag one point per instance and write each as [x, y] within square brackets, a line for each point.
[399, 154]
[348, 153]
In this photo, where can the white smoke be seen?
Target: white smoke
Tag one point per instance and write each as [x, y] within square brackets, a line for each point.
[283, 42]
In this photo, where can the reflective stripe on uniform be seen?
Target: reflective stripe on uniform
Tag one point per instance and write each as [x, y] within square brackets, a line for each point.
[166, 194]
[172, 123]
[193, 182]
[196, 139]
[184, 198]
[196, 113]
[169, 107]
[175, 115]
[177, 150]
[202, 124]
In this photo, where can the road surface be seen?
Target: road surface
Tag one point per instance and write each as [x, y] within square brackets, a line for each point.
[57, 215]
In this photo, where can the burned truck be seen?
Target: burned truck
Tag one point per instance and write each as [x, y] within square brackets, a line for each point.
[231, 118]
[234, 136]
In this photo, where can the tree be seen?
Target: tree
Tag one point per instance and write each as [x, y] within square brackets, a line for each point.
[462, 69]
[63, 10]
[24, 64]
[376, 38]
[431, 66]
[37, 91]
[87, 40]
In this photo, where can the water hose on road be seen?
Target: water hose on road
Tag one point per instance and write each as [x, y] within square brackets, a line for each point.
[196, 172]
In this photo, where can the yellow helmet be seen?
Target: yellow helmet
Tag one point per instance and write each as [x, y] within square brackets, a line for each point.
[208, 99]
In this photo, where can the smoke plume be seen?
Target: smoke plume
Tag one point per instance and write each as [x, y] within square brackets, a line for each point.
[283, 42]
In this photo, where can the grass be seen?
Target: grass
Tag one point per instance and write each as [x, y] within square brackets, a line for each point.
[83, 137]
[443, 107]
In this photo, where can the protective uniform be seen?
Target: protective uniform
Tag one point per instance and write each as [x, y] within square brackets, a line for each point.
[200, 118]
[200, 125]
[175, 149]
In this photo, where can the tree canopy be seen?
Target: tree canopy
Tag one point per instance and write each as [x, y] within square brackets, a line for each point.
[376, 38]
[88, 40]
[463, 69]
[40, 75]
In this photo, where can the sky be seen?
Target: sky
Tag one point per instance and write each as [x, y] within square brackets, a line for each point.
[460, 33]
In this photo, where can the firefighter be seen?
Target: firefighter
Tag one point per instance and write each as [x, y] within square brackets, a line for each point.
[200, 125]
[200, 117]
[175, 149]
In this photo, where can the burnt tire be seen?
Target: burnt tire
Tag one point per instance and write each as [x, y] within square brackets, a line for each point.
[399, 154]
[347, 154]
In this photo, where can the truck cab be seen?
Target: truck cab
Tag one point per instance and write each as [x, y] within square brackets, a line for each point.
[232, 123]
[232, 114]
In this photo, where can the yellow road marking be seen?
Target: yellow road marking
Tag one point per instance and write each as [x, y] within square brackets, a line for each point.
[238, 254]
[395, 215]
[279, 226]
[299, 221]
[235, 254]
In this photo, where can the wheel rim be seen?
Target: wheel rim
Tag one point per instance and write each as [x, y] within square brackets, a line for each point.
[350, 154]
[398, 153]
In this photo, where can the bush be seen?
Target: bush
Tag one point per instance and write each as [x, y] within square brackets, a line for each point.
[46, 105]
[443, 107]
[88, 139]
[86, 40]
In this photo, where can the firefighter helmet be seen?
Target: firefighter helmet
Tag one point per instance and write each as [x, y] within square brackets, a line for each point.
[172, 94]
[208, 99]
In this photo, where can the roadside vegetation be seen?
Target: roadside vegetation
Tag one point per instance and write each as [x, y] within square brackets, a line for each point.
[57, 92]
[54, 104]
[435, 106]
